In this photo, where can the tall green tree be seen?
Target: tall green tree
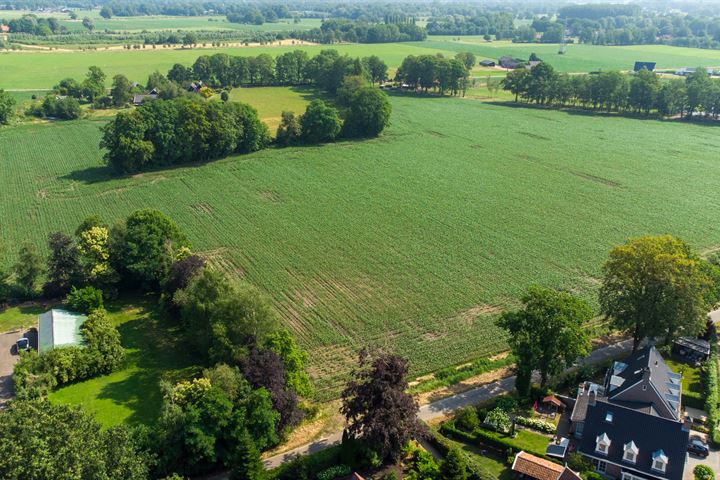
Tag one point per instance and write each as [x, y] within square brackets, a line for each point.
[63, 265]
[144, 247]
[546, 334]
[121, 91]
[28, 268]
[454, 466]
[655, 286]
[41, 440]
[368, 113]
[7, 107]
[320, 123]
[247, 464]
[94, 84]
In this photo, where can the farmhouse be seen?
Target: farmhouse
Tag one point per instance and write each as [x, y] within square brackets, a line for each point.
[529, 466]
[59, 327]
[4, 28]
[631, 427]
[140, 98]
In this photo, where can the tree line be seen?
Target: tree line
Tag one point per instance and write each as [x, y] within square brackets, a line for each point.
[697, 96]
[436, 72]
[341, 30]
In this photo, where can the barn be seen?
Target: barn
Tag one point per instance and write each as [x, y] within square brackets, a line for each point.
[59, 327]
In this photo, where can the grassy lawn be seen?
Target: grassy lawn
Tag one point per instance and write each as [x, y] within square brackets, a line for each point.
[691, 379]
[413, 241]
[155, 350]
[21, 316]
[270, 102]
[491, 465]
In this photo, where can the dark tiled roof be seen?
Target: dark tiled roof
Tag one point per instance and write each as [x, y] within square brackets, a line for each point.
[650, 433]
[645, 378]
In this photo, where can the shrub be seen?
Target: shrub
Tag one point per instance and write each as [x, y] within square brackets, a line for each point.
[578, 463]
[334, 472]
[369, 113]
[498, 420]
[703, 472]
[85, 299]
[536, 424]
[507, 403]
[467, 419]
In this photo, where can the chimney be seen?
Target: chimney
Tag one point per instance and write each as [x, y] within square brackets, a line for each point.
[591, 398]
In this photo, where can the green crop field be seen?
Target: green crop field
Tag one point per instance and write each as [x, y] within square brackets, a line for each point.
[413, 241]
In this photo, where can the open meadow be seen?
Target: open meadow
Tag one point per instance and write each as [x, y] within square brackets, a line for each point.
[43, 70]
[413, 241]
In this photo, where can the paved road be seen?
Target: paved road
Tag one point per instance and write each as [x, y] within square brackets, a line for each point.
[447, 405]
[8, 358]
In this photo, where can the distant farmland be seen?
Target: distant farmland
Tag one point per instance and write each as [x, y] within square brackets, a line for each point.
[43, 70]
[413, 241]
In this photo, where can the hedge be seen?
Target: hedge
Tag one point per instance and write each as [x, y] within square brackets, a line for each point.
[443, 446]
[711, 395]
[307, 466]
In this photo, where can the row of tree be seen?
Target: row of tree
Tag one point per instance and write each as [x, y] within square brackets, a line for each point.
[325, 70]
[697, 96]
[652, 287]
[340, 30]
[436, 72]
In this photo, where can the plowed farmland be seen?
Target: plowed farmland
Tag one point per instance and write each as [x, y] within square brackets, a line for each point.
[413, 241]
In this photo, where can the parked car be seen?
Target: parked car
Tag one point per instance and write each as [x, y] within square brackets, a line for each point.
[698, 447]
[23, 344]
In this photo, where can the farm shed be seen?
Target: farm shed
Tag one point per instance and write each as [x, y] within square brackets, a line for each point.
[696, 348]
[487, 63]
[59, 327]
[508, 62]
[649, 66]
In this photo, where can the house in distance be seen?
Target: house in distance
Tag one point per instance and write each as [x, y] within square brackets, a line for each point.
[649, 66]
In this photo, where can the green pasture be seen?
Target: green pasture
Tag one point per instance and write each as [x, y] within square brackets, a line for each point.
[413, 241]
[580, 57]
[270, 102]
[154, 349]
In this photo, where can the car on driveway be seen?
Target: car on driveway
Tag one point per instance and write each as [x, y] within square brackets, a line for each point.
[23, 344]
[698, 447]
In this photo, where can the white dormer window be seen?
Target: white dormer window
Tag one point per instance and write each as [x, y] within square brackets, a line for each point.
[602, 444]
[630, 452]
[659, 461]
[609, 417]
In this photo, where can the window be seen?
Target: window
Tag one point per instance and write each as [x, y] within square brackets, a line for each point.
[630, 476]
[630, 452]
[659, 461]
[602, 444]
[600, 466]
[609, 417]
